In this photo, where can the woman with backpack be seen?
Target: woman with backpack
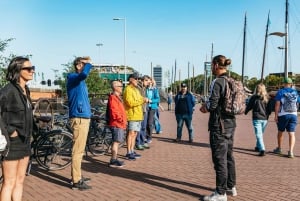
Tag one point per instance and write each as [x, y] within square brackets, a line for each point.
[261, 109]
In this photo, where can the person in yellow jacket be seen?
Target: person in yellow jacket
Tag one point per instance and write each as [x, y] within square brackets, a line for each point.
[133, 102]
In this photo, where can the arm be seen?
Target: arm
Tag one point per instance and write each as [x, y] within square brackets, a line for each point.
[76, 78]
[250, 105]
[114, 109]
[133, 99]
[215, 95]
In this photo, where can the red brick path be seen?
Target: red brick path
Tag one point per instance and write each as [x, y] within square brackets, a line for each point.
[170, 171]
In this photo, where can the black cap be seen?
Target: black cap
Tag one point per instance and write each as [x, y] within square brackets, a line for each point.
[134, 76]
[183, 85]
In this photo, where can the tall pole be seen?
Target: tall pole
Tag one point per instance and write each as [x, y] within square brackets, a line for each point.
[286, 39]
[265, 47]
[151, 67]
[211, 58]
[244, 48]
[189, 79]
[175, 70]
[125, 68]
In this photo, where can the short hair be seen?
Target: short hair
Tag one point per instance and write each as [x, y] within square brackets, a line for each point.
[14, 68]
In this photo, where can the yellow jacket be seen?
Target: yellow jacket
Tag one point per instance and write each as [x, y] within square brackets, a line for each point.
[133, 102]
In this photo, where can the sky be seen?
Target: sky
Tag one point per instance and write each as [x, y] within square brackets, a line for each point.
[157, 32]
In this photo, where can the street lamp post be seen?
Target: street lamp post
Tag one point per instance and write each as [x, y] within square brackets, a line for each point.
[99, 45]
[125, 68]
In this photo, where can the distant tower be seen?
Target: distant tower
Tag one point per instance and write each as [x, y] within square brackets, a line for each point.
[157, 75]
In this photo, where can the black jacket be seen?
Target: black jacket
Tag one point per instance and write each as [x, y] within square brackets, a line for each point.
[16, 110]
[218, 120]
[260, 109]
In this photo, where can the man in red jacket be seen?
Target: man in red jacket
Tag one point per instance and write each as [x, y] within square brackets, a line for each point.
[117, 121]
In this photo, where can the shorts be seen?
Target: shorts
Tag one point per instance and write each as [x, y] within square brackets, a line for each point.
[118, 134]
[18, 149]
[134, 126]
[287, 122]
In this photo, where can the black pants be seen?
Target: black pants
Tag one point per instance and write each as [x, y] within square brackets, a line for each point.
[222, 156]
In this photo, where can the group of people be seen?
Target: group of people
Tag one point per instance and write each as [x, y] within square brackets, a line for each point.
[133, 111]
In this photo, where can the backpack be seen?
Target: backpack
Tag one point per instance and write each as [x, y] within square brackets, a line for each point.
[289, 101]
[234, 97]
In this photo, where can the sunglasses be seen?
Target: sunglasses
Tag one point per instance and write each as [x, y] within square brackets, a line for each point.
[29, 69]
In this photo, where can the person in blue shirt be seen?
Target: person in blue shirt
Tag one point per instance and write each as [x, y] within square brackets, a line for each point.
[152, 94]
[286, 99]
[79, 114]
[184, 108]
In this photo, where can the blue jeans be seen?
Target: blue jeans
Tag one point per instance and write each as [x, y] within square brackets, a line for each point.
[156, 122]
[180, 118]
[141, 136]
[259, 129]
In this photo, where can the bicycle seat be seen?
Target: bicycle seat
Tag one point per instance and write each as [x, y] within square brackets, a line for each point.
[45, 119]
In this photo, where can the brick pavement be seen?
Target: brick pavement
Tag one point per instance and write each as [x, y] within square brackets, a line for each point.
[170, 171]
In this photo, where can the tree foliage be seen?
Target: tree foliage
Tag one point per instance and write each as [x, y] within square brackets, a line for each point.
[4, 61]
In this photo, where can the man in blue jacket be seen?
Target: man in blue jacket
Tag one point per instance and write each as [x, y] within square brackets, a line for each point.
[79, 114]
[184, 108]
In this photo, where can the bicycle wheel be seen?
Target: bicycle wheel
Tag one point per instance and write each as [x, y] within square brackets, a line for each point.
[95, 141]
[54, 150]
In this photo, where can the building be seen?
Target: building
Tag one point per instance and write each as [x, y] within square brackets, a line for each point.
[157, 75]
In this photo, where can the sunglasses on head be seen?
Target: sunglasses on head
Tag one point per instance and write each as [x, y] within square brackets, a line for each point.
[29, 68]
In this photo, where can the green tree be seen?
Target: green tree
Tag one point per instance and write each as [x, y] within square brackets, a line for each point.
[4, 61]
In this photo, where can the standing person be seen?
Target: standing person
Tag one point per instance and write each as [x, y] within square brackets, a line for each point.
[170, 100]
[261, 109]
[133, 101]
[221, 127]
[286, 115]
[117, 121]
[141, 142]
[17, 116]
[80, 114]
[184, 108]
[153, 96]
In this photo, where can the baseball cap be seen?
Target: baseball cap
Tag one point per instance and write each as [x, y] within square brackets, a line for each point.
[183, 85]
[134, 76]
[287, 80]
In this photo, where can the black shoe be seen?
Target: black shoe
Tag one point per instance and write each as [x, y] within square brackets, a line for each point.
[81, 185]
[86, 179]
[262, 153]
[116, 163]
[176, 140]
[191, 140]
[256, 149]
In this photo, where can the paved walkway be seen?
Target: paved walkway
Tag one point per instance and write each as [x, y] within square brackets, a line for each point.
[170, 171]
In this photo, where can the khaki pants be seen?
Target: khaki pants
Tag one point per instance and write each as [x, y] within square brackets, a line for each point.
[80, 131]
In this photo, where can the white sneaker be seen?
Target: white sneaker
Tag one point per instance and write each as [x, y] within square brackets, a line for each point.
[215, 196]
[232, 192]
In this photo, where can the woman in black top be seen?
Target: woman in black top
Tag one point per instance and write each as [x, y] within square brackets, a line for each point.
[261, 109]
[16, 113]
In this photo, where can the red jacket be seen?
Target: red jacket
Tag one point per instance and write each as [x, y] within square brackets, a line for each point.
[117, 114]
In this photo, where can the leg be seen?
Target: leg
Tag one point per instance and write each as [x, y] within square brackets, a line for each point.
[80, 131]
[21, 173]
[292, 140]
[258, 129]
[231, 180]
[219, 151]
[130, 138]
[150, 124]
[188, 123]
[114, 150]
[279, 139]
[179, 120]
[9, 170]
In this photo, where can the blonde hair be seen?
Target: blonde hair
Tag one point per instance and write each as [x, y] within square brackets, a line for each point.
[261, 91]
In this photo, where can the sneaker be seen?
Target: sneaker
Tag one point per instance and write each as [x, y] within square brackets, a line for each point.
[277, 151]
[232, 191]
[84, 179]
[81, 185]
[290, 154]
[137, 155]
[215, 196]
[146, 146]
[139, 147]
[116, 163]
[130, 157]
[262, 153]
[149, 141]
